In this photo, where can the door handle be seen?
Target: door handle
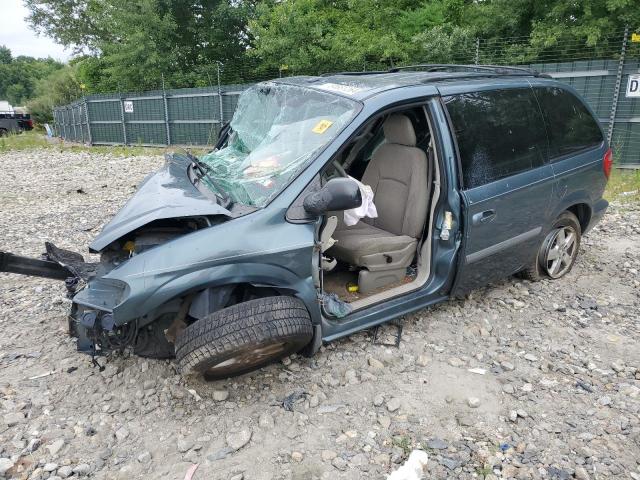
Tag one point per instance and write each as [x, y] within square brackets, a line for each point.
[483, 217]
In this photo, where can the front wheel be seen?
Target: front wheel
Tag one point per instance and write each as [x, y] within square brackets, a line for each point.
[244, 337]
[558, 251]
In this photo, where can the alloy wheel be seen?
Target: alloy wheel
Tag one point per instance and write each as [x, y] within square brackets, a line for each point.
[561, 251]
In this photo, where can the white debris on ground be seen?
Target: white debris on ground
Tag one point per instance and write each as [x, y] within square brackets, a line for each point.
[413, 468]
[521, 380]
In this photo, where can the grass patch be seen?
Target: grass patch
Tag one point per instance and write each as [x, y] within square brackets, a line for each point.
[34, 140]
[484, 471]
[623, 186]
[403, 442]
[25, 141]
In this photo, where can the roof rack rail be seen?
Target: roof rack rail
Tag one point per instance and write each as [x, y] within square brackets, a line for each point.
[450, 67]
[448, 71]
[369, 72]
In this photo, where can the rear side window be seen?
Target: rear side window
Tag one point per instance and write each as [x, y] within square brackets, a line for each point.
[571, 127]
[499, 133]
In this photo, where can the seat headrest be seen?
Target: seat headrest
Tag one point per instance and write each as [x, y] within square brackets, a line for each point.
[398, 129]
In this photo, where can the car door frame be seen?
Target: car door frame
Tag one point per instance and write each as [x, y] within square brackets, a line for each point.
[441, 276]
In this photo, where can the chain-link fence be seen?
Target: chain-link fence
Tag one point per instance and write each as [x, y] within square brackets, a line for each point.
[601, 73]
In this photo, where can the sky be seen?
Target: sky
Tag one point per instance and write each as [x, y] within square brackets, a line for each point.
[16, 35]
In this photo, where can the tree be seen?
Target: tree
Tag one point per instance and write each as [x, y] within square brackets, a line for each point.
[143, 44]
[317, 35]
[312, 36]
[134, 44]
[5, 55]
[18, 76]
[60, 87]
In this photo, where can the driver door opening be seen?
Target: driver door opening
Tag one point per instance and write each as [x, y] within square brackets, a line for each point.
[388, 254]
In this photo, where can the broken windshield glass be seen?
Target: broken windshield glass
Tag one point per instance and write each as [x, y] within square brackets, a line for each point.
[275, 131]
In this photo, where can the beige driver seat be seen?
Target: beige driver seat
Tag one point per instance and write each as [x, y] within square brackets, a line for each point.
[385, 246]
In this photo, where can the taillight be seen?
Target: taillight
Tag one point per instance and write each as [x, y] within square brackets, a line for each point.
[607, 163]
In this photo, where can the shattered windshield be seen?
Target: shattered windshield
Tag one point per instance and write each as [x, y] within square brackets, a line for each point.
[275, 130]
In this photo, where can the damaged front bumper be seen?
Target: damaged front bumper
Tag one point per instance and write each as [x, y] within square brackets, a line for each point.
[91, 319]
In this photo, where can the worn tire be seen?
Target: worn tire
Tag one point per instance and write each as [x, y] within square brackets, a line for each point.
[532, 272]
[244, 337]
[535, 271]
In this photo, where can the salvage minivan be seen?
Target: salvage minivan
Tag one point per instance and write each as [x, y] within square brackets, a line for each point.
[337, 203]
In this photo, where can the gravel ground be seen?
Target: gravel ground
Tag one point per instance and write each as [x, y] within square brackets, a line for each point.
[520, 380]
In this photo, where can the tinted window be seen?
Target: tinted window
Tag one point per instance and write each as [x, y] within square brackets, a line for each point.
[499, 133]
[571, 126]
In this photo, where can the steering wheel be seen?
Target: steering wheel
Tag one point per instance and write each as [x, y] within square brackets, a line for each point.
[339, 169]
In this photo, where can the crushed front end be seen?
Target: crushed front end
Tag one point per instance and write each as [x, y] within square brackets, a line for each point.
[91, 318]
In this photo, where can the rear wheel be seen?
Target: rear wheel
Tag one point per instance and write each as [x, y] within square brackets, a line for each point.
[244, 337]
[3, 132]
[558, 251]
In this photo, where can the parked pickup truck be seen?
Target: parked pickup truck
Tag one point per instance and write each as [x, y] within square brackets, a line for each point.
[11, 122]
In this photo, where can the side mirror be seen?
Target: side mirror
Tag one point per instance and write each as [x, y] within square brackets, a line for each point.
[337, 194]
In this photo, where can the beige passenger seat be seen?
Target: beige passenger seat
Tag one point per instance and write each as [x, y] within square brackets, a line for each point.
[385, 246]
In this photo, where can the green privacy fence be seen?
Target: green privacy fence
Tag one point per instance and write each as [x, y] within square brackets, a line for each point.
[189, 116]
[193, 116]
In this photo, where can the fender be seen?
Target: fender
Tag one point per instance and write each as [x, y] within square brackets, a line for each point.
[574, 198]
[142, 299]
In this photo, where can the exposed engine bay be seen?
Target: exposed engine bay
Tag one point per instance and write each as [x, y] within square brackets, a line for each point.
[150, 335]
[152, 235]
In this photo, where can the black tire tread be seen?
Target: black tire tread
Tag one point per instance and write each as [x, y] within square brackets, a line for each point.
[532, 272]
[248, 323]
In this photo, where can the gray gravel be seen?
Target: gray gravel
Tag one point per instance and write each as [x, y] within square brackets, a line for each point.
[520, 380]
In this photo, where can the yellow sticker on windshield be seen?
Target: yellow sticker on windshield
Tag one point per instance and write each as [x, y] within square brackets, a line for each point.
[322, 126]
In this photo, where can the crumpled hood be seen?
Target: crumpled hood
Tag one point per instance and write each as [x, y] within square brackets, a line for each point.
[168, 193]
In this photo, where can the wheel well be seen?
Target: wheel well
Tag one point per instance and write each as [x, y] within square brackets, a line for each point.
[237, 293]
[583, 212]
[243, 292]
[209, 300]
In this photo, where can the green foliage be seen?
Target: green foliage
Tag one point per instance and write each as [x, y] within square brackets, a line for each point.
[623, 186]
[18, 76]
[136, 45]
[129, 45]
[316, 35]
[23, 141]
[484, 471]
[312, 36]
[446, 44]
[58, 88]
[404, 442]
[5, 55]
